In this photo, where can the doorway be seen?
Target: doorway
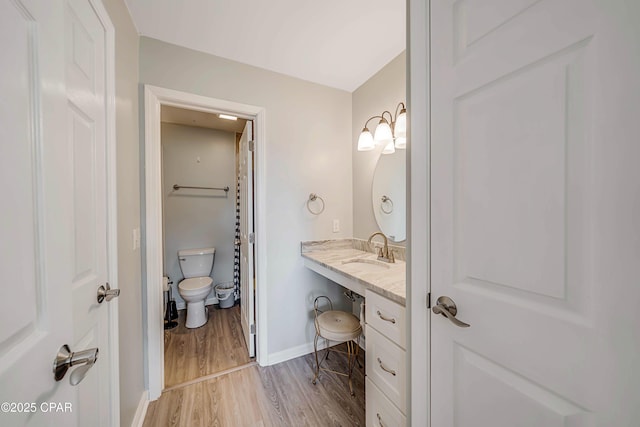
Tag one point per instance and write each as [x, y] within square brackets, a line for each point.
[201, 212]
[255, 325]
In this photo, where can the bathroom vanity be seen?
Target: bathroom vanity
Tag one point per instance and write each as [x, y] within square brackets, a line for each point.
[350, 263]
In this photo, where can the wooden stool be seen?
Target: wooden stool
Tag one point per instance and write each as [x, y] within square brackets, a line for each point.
[339, 326]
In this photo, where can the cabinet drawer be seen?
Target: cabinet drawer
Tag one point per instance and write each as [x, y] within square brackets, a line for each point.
[387, 317]
[380, 411]
[386, 367]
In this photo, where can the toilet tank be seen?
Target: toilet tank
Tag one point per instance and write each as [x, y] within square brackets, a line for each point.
[196, 262]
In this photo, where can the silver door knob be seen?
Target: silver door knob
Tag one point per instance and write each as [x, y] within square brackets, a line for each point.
[446, 307]
[66, 358]
[106, 293]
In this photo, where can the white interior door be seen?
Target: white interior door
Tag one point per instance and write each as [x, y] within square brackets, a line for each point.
[247, 277]
[86, 78]
[53, 232]
[534, 212]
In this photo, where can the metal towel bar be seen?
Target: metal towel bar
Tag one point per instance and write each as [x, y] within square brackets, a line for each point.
[177, 187]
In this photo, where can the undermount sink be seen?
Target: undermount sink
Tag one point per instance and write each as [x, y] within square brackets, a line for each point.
[366, 265]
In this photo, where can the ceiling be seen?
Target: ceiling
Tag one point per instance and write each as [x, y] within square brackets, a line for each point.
[337, 43]
[201, 119]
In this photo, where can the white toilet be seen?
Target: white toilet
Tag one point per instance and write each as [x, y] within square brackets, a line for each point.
[196, 266]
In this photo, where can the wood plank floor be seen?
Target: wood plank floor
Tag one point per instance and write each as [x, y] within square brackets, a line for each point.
[214, 347]
[278, 395]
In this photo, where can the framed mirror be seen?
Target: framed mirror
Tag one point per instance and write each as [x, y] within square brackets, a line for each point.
[389, 195]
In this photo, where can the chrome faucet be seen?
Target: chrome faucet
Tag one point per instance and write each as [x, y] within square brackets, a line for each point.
[384, 254]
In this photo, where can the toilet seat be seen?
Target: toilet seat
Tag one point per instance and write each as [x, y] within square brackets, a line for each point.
[195, 284]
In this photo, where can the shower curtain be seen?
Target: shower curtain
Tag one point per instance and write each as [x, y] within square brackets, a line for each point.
[236, 251]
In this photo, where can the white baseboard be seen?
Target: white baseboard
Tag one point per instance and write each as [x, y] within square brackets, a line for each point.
[290, 353]
[138, 418]
[301, 350]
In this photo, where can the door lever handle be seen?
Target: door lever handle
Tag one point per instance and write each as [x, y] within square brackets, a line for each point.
[66, 358]
[446, 307]
[106, 293]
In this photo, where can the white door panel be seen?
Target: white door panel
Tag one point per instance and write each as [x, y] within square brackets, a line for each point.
[247, 277]
[520, 147]
[85, 43]
[53, 232]
[35, 243]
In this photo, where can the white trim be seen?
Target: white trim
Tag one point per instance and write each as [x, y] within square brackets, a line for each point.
[141, 410]
[260, 230]
[154, 97]
[112, 209]
[418, 221]
[152, 229]
[302, 350]
[293, 352]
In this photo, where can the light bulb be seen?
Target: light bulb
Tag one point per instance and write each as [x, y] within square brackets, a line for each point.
[401, 143]
[227, 117]
[365, 141]
[400, 128]
[383, 133]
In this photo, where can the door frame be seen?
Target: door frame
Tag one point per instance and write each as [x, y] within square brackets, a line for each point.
[112, 206]
[154, 98]
[418, 212]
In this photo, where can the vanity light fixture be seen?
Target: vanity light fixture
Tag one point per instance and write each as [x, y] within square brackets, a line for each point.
[227, 117]
[391, 133]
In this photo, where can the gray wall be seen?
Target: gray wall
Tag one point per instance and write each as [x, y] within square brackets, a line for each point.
[128, 188]
[198, 218]
[307, 149]
[381, 92]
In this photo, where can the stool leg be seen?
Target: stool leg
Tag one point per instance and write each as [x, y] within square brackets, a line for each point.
[358, 352]
[326, 356]
[315, 351]
[350, 364]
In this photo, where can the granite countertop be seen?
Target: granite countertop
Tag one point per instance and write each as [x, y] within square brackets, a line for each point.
[388, 280]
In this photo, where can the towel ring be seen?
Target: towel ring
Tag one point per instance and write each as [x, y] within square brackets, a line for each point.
[312, 198]
[386, 199]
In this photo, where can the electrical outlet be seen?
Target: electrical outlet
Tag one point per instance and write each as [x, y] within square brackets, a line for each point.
[336, 225]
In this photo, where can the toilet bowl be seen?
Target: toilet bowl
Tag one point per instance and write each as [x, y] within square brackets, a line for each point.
[194, 291]
[196, 265]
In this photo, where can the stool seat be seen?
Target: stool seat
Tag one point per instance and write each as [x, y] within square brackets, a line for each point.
[339, 326]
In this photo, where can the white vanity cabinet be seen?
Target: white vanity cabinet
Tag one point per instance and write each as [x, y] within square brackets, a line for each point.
[386, 361]
[385, 316]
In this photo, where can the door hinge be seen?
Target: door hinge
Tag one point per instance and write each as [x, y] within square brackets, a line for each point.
[428, 299]
[252, 238]
[252, 328]
[252, 146]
